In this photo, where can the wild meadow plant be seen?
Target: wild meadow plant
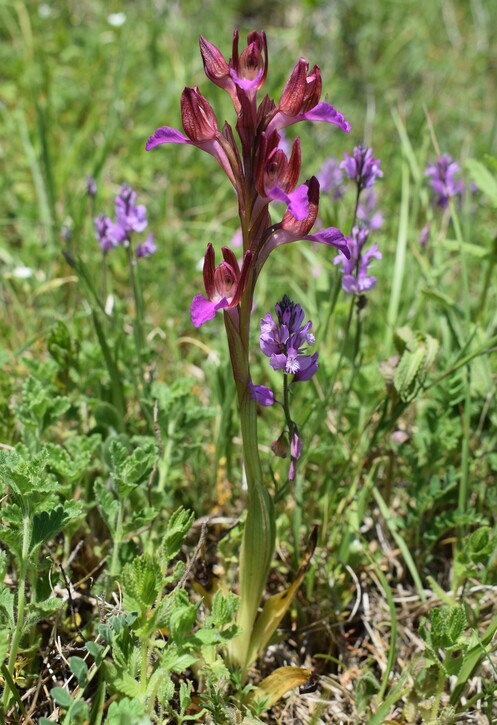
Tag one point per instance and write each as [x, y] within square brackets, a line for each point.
[260, 172]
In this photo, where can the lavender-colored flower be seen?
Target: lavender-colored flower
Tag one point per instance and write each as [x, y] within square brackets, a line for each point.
[285, 341]
[130, 216]
[108, 234]
[146, 248]
[330, 178]
[443, 183]
[367, 213]
[262, 394]
[355, 278]
[362, 167]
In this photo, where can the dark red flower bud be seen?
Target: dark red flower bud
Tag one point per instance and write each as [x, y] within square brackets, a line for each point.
[199, 119]
[215, 65]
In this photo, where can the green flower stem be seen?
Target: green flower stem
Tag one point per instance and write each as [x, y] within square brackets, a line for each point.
[138, 303]
[400, 256]
[259, 532]
[21, 603]
[464, 484]
[286, 405]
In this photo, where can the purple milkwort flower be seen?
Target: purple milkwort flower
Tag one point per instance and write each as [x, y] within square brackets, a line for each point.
[284, 341]
[443, 183]
[263, 395]
[362, 167]
[130, 216]
[146, 248]
[355, 270]
[330, 178]
[367, 213]
[108, 234]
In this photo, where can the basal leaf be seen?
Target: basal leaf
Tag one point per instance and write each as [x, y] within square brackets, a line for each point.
[279, 682]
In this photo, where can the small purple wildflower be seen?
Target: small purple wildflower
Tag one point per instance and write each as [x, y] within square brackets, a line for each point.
[330, 178]
[367, 213]
[284, 341]
[356, 279]
[146, 248]
[362, 167]
[443, 183]
[108, 234]
[130, 218]
[263, 395]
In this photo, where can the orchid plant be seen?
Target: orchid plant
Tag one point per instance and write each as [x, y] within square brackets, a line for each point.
[260, 172]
